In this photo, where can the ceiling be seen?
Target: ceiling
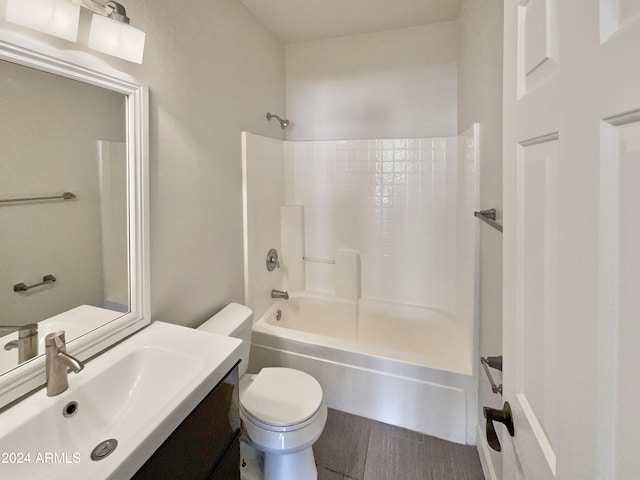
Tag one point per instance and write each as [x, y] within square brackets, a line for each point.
[295, 21]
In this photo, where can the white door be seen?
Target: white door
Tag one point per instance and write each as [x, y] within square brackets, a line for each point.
[572, 239]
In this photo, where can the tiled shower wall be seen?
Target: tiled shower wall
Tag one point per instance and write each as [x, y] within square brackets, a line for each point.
[392, 200]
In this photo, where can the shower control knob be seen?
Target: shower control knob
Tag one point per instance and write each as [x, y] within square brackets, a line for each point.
[273, 261]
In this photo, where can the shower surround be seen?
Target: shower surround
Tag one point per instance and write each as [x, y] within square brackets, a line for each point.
[391, 200]
[384, 223]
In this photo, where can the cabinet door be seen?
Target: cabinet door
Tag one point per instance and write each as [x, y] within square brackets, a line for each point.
[228, 468]
[203, 441]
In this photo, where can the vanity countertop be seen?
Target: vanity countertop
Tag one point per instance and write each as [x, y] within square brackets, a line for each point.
[138, 392]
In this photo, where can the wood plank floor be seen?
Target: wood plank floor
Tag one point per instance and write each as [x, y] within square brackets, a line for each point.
[356, 448]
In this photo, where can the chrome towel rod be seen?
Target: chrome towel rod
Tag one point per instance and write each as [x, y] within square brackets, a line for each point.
[64, 196]
[489, 217]
[21, 287]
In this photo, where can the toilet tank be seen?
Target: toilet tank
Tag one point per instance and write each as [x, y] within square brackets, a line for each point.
[234, 320]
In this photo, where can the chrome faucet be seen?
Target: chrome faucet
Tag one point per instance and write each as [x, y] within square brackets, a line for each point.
[279, 294]
[27, 343]
[58, 361]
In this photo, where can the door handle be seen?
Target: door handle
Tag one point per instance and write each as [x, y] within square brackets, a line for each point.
[502, 416]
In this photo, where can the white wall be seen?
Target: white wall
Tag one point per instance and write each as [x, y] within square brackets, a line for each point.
[263, 192]
[212, 71]
[49, 136]
[480, 100]
[466, 239]
[392, 84]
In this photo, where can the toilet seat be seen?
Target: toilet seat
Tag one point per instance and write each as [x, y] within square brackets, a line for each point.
[280, 399]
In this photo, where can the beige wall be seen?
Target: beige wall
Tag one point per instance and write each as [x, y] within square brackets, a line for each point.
[392, 84]
[212, 71]
[480, 100]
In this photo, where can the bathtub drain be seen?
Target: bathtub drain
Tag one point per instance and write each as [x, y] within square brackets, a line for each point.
[278, 315]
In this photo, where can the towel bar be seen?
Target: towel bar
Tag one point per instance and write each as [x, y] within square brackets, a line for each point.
[64, 196]
[489, 217]
[21, 287]
[493, 362]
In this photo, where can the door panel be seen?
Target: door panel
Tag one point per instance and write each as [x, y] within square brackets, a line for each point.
[536, 261]
[572, 238]
[537, 39]
[620, 262]
[531, 145]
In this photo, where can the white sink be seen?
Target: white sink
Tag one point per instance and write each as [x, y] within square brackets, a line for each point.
[137, 393]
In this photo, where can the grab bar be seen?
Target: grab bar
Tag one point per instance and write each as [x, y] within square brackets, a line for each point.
[21, 287]
[493, 362]
[319, 260]
[489, 217]
[64, 196]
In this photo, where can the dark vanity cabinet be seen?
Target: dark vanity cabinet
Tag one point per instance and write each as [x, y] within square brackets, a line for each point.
[206, 445]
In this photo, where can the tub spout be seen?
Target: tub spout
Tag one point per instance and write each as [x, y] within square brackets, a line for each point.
[279, 294]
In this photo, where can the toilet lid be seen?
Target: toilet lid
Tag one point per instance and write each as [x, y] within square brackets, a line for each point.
[282, 396]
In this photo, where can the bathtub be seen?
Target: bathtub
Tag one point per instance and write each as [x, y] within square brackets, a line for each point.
[402, 365]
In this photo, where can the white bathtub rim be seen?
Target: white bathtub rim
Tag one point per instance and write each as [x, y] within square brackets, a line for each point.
[363, 300]
[268, 335]
[341, 352]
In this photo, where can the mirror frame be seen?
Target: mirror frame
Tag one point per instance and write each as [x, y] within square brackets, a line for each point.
[30, 375]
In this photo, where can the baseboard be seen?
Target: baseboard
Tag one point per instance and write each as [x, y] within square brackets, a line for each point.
[485, 455]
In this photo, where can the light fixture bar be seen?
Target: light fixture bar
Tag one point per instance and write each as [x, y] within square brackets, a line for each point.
[94, 6]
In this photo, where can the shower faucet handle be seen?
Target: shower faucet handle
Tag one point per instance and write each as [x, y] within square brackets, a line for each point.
[273, 261]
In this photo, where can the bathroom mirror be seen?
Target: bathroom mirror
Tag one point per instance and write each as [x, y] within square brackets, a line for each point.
[73, 209]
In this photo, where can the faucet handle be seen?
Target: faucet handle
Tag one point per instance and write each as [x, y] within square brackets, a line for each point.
[28, 330]
[273, 261]
[55, 339]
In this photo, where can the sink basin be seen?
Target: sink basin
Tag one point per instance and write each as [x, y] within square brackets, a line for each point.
[136, 393]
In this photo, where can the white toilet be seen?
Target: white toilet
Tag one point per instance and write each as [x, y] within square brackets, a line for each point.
[282, 409]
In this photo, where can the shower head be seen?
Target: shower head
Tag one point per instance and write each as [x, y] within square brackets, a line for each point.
[283, 122]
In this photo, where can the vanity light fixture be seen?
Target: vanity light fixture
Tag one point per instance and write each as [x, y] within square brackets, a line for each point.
[112, 34]
[110, 30]
[54, 17]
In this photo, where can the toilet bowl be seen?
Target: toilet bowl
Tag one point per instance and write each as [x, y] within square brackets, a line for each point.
[282, 409]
